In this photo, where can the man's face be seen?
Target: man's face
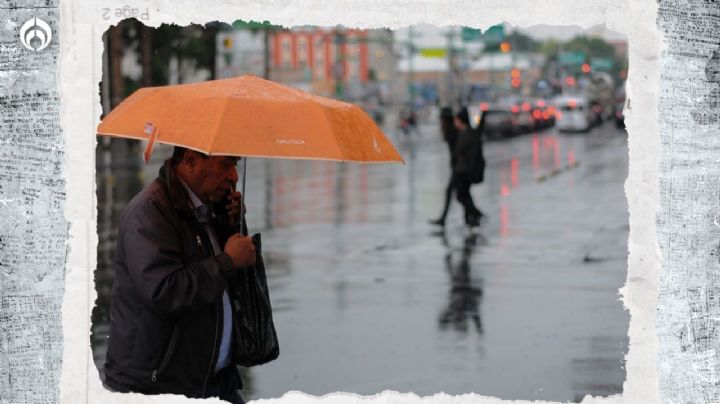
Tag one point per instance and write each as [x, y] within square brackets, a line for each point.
[214, 177]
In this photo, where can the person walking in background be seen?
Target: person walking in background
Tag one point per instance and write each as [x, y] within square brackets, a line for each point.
[463, 153]
[450, 135]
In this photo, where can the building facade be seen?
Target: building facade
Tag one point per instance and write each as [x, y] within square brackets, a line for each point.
[332, 62]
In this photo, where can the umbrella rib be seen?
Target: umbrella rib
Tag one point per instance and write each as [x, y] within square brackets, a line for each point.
[324, 111]
[217, 126]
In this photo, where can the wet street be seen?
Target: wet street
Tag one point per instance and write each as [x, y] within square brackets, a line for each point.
[368, 296]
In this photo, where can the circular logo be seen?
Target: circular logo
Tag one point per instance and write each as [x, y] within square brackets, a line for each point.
[35, 34]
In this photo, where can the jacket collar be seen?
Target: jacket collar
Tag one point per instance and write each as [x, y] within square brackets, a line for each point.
[177, 193]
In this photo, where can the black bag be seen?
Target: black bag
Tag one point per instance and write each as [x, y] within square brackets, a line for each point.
[476, 163]
[255, 341]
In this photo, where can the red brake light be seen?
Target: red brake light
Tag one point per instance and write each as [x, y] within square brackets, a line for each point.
[484, 106]
[526, 106]
[537, 114]
[515, 109]
[541, 103]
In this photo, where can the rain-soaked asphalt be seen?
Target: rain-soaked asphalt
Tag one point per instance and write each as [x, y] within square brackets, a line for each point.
[367, 296]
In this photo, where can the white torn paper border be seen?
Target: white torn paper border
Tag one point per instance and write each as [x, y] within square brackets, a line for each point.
[83, 23]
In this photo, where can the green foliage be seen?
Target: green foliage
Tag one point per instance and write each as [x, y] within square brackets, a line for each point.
[598, 48]
[550, 49]
[255, 25]
[592, 47]
[522, 43]
[191, 43]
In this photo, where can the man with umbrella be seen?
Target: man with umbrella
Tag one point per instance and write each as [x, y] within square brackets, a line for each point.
[171, 323]
[177, 254]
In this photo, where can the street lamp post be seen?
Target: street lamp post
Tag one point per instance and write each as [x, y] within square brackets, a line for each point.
[339, 71]
[411, 55]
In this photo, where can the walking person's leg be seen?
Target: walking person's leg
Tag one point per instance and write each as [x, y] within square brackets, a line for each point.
[472, 214]
[449, 189]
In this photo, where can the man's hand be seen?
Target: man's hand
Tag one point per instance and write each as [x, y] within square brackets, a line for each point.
[234, 204]
[241, 250]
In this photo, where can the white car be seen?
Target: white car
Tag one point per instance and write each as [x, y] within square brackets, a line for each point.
[573, 113]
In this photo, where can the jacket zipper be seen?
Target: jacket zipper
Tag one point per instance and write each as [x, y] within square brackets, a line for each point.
[205, 244]
[168, 354]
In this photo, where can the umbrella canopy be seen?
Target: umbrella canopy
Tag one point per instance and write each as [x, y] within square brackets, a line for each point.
[250, 117]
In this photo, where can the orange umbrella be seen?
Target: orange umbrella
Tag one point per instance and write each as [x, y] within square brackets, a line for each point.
[250, 117]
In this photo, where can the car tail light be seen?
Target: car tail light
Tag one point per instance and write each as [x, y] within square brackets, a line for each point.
[537, 114]
[541, 103]
[484, 106]
[515, 109]
[525, 106]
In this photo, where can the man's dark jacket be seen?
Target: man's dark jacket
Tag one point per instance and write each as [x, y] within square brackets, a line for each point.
[166, 320]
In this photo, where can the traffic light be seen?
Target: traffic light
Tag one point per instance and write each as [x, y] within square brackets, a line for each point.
[515, 78]
[227, 43]
[586, 68]
[505, 47]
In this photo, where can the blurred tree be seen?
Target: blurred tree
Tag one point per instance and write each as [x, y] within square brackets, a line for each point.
[522, 43]
[116, 50]
[192, 46]
[598, 48]
[550, 48]
[592, 47]
[518, 42]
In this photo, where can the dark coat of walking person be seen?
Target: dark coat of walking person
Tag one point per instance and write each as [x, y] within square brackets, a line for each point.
[450, 135]
[177, 256]
[466, 144]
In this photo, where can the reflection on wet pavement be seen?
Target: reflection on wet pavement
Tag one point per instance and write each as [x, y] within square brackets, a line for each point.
[368, 297]
[463, 308]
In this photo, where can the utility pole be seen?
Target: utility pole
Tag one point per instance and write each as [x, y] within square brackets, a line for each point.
[513, 53]
[454, 78]
[411, 72]
[266, 53]
[339, 70]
